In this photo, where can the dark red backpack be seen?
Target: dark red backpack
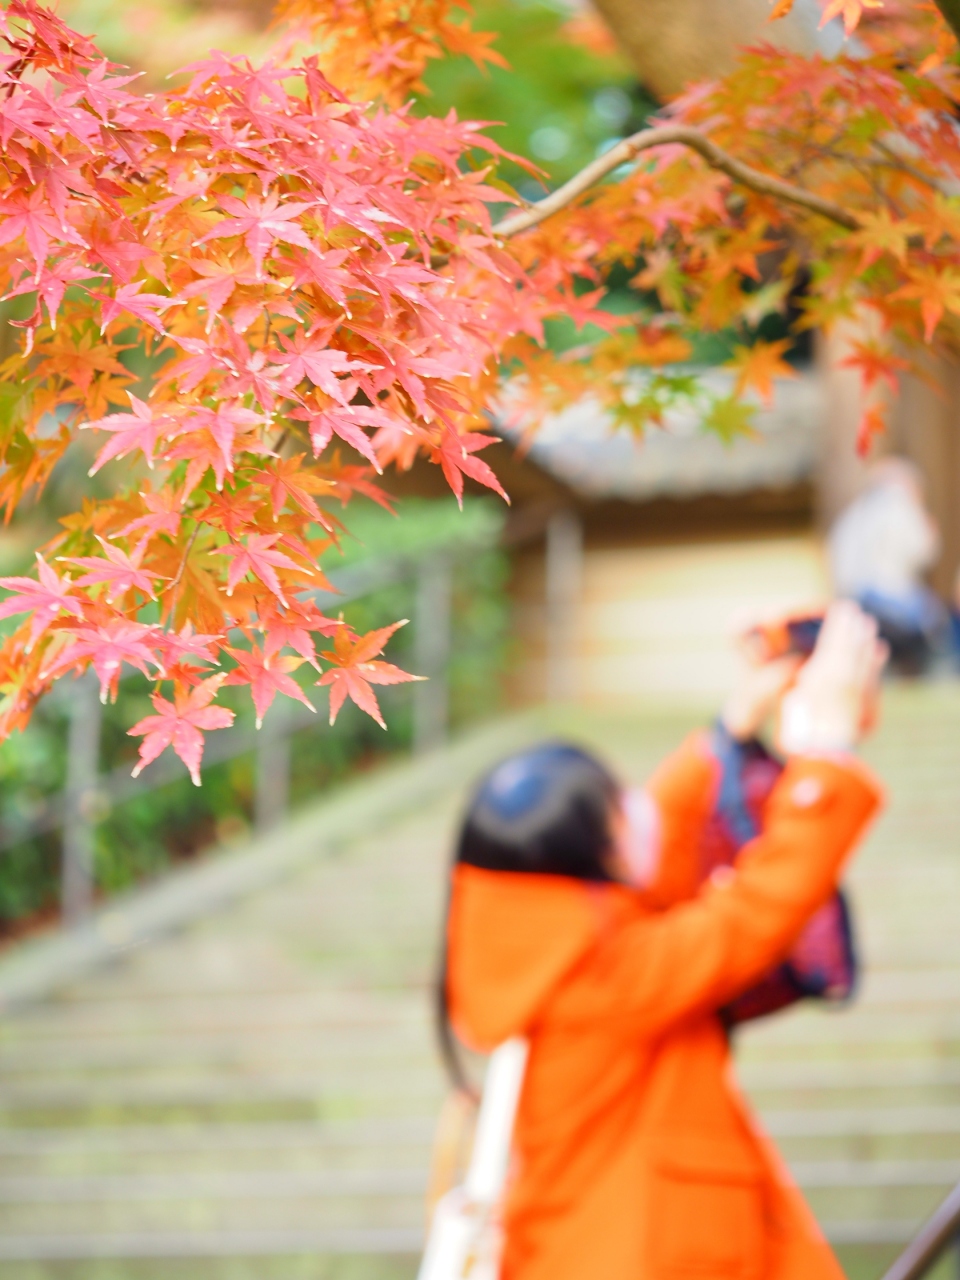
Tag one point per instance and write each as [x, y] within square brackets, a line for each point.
[823, 962]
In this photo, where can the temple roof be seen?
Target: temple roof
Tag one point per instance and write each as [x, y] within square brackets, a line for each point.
[580, 448]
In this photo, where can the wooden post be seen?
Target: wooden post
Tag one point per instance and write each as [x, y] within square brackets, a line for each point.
[272, 793]
[432, 643]
[564, 584]
[80, 800]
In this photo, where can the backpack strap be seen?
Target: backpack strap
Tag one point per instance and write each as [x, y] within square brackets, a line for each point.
[731, 805]
[464, 1232]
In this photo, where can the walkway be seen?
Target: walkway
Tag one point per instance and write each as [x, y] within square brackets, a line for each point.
[254, 1096]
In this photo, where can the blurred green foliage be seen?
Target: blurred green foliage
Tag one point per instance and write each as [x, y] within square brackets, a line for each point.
[558, 103]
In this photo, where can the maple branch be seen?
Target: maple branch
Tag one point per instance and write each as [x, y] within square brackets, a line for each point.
[683, 135]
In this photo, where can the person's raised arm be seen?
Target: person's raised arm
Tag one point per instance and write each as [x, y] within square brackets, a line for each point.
[661, 825]
[697, 956]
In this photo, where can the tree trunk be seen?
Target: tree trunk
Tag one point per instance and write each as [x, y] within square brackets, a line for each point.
[672, 43]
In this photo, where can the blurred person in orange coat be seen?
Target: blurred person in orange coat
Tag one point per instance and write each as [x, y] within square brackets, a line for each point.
[635, 1156]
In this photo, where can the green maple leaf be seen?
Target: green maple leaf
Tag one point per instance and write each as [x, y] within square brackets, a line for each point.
[729, 418]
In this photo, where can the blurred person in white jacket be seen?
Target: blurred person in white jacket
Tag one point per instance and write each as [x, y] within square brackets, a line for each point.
[880, 548]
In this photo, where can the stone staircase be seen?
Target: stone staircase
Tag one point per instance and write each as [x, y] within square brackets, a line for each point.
[255, 1095]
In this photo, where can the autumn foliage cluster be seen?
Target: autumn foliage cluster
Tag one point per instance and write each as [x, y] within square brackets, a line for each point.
[274, 246]
[313, 279]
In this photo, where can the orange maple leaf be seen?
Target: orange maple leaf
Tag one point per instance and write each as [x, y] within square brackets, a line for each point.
[880, 233]
[757, 366]
[872, 424]
[850, 10]
[937, 291]
[354, 670]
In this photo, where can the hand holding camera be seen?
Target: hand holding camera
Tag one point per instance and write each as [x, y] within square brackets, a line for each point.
[822, 673]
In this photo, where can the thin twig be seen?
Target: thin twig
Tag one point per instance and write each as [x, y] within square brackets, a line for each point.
[684, 135]
[183, 563]
[897, 162]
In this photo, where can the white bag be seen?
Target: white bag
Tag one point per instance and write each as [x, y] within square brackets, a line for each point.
[465, 1235]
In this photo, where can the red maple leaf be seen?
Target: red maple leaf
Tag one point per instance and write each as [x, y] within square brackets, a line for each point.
[354, 671]
[455, 456]
[44, 598]
[181, 724]
[872, 425]
[258, 557]
[231, 511]
[266, 678]
[874, 362]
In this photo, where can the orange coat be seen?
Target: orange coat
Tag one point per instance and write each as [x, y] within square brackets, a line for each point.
[636, 1157]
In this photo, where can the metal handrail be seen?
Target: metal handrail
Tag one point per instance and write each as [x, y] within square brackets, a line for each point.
[936, 1235]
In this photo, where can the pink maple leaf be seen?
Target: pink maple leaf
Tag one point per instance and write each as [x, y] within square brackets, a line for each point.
[178, 646]
[108, 647]
[44, 598]
[223, 424]
[122, 572]
[216, 284]
[28, 213]
[164, 515]
[129, 298]
[294, 628]
[266, 678]
[344, 422]
[308, 356]
[52, 282]
[141, 429]
[261, 222]
[258, 557]
[181, 724]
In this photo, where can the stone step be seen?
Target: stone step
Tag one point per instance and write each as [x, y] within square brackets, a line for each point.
[851, 1032]
[24, 1247]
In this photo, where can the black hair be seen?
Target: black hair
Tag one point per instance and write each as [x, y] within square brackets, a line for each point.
[545, 810]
